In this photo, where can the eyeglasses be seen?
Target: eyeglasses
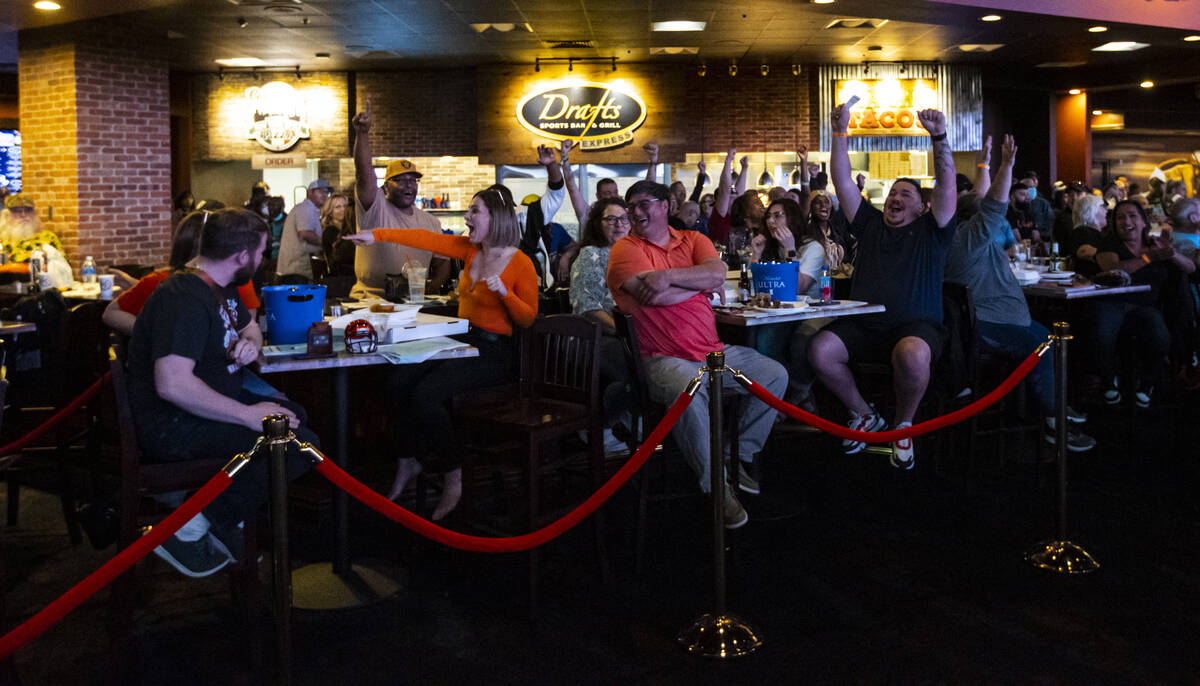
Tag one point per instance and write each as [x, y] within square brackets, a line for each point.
[776, 215]
[615, 220]
[644, 205]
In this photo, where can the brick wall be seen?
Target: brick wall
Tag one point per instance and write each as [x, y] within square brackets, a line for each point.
[46, 89]
[220, 119]
[96, 137]
[751, 112]
[418, 113]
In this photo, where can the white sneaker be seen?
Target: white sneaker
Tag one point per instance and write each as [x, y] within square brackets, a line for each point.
[902, 451]
[866, 422]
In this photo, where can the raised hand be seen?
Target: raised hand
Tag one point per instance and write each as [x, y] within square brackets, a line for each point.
[802, 153]
[984, 155]
[361, 122]
[566, 147]
[744, 163]
[933, 121]
[545, 155]
[651, 149]
[701, 167]
[1008, 151]
[839, 118]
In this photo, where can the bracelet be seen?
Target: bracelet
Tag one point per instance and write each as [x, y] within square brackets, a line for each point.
[939, 137]
[803, 183]
[982, 166]
[1145, 258]
[840, 135]
[791, 254]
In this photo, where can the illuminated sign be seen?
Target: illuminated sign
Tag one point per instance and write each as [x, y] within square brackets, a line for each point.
[596, 115]
[279, 116]
[887, 107]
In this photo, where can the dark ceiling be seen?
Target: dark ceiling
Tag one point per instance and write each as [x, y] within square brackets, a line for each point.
[385, 34]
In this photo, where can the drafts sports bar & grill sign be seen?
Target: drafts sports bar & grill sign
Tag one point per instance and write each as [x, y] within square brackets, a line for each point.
[596, 115]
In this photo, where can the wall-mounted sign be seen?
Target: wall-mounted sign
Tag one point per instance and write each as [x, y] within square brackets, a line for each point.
[279, 115]
[596, 115]
[887, 107]
[292, 160]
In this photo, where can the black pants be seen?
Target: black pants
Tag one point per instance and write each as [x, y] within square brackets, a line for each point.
[419, 398]
[188, 437]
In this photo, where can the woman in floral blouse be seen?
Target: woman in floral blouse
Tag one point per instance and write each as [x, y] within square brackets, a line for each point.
[606, 224]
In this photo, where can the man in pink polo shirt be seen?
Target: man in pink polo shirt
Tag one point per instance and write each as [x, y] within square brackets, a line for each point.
[662, 277]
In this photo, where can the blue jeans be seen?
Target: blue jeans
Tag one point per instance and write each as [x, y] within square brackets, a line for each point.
[1015, 343]
[669, 375]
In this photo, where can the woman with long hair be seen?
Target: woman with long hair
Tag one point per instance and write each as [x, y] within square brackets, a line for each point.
[497, 292]
[335, 225]
[839, 243]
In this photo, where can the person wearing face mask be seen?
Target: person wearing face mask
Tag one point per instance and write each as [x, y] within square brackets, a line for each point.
[1020, 214]
[187, 385]
[395, 210]
[1040, 209]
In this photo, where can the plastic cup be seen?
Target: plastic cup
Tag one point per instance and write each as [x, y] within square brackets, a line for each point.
[106, 286]
[416, 283]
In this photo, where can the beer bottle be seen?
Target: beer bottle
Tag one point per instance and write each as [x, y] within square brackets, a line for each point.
[744, 288]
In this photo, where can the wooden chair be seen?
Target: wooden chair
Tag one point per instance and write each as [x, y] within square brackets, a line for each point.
[558, 395]
[141, 480]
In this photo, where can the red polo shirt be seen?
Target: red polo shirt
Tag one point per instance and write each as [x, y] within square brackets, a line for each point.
[686, 330]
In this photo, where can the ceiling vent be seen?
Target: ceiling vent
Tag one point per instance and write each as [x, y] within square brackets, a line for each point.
[856, 23]
[567, 44]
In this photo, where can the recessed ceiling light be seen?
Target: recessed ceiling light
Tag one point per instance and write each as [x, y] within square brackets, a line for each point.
[1120, 46]
[1074, 91]
[48, 5]
[980, 47]
[990, 17]
[1191, 39]
[240, 62]
[822, 2]
[1147, 84]
[1097, 112]
[677, 26]
[1098, 29]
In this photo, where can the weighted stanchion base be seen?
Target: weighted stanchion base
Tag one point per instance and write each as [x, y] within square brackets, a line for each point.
[720, 636]
[1063, 557]
[316, 587]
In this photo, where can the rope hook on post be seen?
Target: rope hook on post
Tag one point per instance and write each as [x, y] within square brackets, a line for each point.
[718, 634]
[1061, 555]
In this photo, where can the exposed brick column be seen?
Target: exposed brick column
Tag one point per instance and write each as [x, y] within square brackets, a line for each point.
[96, 133]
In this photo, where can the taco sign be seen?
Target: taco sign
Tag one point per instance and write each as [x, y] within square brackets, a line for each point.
[595, 115]
[278, 116]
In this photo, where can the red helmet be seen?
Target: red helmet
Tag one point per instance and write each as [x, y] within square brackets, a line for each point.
[361, 337]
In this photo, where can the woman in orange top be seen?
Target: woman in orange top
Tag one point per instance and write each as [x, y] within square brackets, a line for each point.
[497, 290]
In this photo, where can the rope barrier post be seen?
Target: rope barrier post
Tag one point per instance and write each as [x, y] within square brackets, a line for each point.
[275, 429]
[1061, 555]
[718, 634]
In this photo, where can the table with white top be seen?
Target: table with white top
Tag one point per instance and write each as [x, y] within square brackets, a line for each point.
[1058, 291]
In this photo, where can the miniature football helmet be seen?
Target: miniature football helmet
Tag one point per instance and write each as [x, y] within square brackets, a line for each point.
[361, 337]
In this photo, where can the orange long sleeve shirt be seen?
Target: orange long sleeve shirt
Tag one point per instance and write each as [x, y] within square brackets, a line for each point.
[477, 303]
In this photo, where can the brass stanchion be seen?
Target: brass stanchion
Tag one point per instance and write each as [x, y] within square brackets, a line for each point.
[275, 428]
[1061, 555]
[718, 634]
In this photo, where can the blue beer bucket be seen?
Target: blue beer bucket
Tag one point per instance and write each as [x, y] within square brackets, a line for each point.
[780, 279]
[291, 310]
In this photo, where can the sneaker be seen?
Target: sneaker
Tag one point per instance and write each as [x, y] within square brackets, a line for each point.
[746, 482]
[1077, 441]
[1112, 394]
[1075, 416]
[866, 422]
[902, 451]
[735, 514]
[1143, 396]
[229, 540]
[196, 559]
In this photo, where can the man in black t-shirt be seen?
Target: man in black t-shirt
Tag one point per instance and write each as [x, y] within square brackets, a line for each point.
[900, 261]
[186, 358]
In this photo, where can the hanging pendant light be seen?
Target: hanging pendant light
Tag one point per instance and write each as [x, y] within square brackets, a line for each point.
[765, 180]
[794, 178]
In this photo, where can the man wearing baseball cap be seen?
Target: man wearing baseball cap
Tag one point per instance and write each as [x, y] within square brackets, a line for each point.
[21, 230]
[302, 236]
[395, 210]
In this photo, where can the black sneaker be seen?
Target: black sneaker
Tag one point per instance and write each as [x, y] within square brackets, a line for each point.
[197, 559]
[1077, 441]
[745, 481]
[1143, 396]
[1075, 416]
[735, 515]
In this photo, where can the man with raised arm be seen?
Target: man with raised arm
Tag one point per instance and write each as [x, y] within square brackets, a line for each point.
[661, 277]
[372, 263]
[978, 260]
[899, 263]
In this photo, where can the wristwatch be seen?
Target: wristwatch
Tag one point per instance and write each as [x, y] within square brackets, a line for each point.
[791, 254]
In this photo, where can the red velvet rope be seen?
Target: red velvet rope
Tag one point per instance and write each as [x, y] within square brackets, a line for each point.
[55, 611]
[899, 434]
[54, 420]
[484, 544]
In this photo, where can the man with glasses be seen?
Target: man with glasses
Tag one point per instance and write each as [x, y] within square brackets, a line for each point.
[372, 263]
[662, 277]
[301, 236]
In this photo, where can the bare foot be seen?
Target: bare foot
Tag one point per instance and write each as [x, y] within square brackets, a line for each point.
[451, 493]
[406, 469]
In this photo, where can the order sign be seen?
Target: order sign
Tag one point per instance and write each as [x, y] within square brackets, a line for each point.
[887, 107]
[596, 115]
